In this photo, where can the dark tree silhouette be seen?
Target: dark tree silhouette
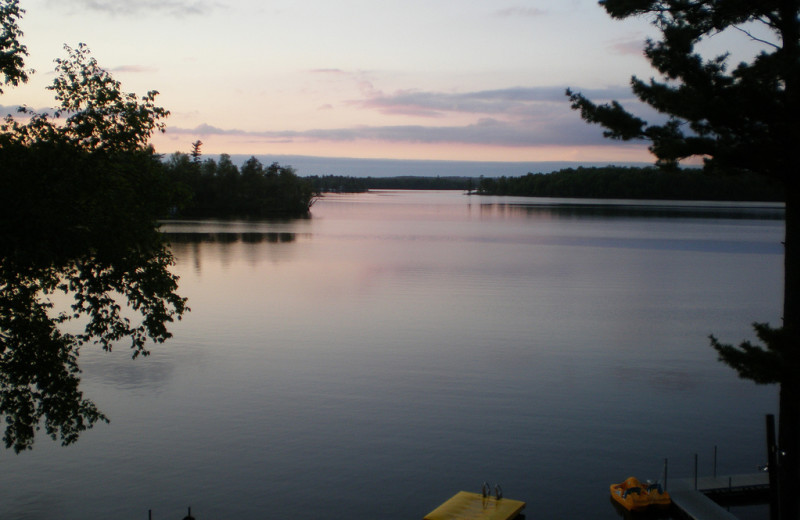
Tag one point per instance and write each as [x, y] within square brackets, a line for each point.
[196, 153]
[79, 199]
[12, 51]
[619, 182]
[738, 119]
[223, 190]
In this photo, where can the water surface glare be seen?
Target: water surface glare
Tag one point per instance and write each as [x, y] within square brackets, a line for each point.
[398, 347]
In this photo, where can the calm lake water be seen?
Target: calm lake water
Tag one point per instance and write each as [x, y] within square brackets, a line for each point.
[398, 347]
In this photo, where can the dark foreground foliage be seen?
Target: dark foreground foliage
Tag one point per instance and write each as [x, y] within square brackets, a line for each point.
[738, 117]
[79, 202]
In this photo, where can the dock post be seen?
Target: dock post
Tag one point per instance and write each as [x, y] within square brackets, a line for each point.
[665, 473]
[695, 471]
[772, 468]
[715, 461]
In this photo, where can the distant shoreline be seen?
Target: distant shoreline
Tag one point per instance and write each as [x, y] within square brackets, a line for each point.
[306, 166]
[611, 182]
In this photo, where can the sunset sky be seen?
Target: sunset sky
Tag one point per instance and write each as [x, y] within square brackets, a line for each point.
[478, 80]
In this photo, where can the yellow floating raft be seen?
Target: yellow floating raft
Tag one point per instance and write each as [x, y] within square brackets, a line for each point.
[476, 506]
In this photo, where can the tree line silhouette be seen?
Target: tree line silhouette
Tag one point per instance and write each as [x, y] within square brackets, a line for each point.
[635, 183]
[610, 182]
[345, 184]
[211, 187]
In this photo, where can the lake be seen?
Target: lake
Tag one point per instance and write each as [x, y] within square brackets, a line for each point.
[397, 347]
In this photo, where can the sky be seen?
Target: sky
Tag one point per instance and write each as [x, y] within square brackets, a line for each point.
[465, 80]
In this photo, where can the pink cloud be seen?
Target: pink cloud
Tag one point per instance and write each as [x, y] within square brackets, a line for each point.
[628, 46]
[520, 11]
[134, 69]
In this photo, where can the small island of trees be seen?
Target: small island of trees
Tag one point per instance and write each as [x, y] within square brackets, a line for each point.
[209, 188]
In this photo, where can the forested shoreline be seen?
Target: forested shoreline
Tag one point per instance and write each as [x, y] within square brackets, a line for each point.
[205, 187]
[611, 182]
[346, 184]
[218, 188]
[653, 183]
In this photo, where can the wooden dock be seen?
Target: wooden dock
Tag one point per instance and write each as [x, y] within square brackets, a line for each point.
[477, 506]
[691, 496]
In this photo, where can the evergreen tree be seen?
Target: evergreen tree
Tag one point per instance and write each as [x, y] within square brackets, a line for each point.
[196, 153]
[741, 118]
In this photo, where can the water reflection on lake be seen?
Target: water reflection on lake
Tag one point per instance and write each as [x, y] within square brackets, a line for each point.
[398, 347]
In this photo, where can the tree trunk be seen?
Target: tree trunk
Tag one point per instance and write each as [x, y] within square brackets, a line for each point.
[789, 426]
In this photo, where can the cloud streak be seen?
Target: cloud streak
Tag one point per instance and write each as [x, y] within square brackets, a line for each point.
[135, 69]
[513, 117]
[9, 109]
[511, 102]
[629, 46]
[520, 12]
[14, 111]
[490, 132]
[176, 8]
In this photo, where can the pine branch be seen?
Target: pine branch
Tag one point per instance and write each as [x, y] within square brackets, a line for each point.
[759, 40]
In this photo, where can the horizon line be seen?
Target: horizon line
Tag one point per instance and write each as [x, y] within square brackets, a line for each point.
[310, 165]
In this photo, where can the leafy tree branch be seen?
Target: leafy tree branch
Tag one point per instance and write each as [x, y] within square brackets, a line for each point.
[79, 203]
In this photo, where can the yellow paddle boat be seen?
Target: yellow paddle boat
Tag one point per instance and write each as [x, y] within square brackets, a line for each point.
[657, 495]
[631, 494]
